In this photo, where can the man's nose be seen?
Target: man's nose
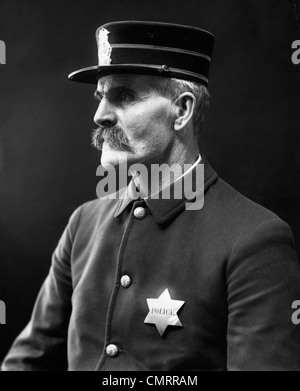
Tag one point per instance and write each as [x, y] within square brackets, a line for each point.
[105, 114]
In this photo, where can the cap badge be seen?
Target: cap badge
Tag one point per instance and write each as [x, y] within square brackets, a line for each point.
[104, 47]
[163, 312]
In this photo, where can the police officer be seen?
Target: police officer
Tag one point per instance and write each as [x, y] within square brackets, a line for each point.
[145, 282]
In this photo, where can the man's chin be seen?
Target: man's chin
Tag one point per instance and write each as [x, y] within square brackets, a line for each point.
[112, 157]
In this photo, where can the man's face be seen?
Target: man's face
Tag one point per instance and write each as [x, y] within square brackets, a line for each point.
[135, 121]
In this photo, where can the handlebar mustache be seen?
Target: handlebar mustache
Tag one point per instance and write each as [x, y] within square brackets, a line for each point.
[113, 135]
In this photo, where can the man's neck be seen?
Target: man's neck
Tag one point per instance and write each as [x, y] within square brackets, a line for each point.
[163, 175]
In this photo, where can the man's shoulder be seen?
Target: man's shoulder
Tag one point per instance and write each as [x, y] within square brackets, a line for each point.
[239, 213]
[89, 212]
[239, 201]
[97, 206]
[232, 206]
[242, 227]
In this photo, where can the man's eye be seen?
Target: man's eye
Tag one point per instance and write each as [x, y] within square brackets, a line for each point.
[125, 97]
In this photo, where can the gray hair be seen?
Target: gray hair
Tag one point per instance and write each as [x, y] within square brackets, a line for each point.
[172, 88]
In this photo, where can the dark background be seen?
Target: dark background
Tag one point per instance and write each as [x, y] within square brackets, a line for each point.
[47, 167]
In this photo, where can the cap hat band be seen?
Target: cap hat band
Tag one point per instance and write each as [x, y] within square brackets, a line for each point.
[154, 47]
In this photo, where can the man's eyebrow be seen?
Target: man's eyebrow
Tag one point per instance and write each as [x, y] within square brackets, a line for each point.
[121, 88]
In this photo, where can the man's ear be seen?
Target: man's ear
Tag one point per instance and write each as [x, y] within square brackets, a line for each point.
[185, 106]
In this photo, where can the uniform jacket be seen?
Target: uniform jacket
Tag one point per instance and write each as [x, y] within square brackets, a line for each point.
[232, 262]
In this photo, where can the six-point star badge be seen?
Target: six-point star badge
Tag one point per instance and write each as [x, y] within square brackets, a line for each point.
[163, 312]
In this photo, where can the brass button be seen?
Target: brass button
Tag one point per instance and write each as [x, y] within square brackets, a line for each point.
[112, 350]
[125, 281]
[140, 212]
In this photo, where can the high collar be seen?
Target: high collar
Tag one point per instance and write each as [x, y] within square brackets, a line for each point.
[165, 209]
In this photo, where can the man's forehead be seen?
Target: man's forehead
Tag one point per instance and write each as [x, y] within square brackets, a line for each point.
[132, 81]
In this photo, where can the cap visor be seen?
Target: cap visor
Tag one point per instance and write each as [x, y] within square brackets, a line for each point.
[85, 75]
[93, 73]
